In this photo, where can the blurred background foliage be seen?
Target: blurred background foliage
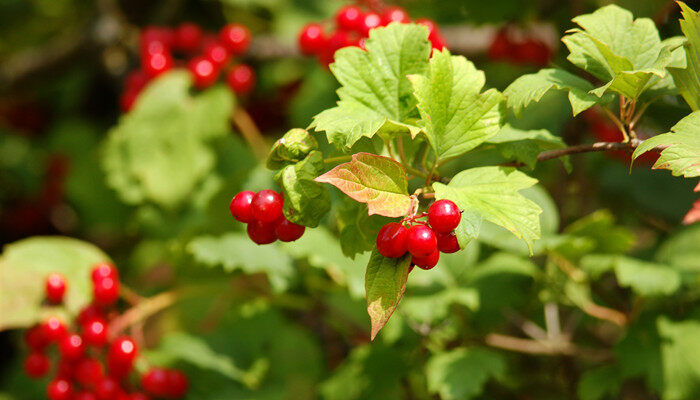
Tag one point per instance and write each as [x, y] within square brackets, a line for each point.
[151, 189]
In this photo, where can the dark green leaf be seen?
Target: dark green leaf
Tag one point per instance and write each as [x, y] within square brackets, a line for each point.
[306, 201]
[385, 283]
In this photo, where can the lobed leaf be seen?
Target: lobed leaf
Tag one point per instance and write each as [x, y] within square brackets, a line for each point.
[291, 148]
[385, 283]
[455, 116]
[492, 193]
[682, 147]
[378, 181]
[462, 373]
[525, 145]
[306, 201]
[687, 78]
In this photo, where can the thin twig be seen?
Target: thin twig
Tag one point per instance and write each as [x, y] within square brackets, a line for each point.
[550, 348]
[250, 132]
[617, 123]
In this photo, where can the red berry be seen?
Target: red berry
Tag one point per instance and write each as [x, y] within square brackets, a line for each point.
[428, 23]
[156, 64]
[241, 79]
[216, 53]
[447, 242]
[89, 313]
[155, 382]
[427, 262]
[391, 240]
[370, 21]
[104, 270]
[123, 351]
[240, 206]
[444, 216]
[138, 396]
[204, 72]
[188, 37]
[501, 47]
[84, 395]
[394, 14]
[152, 48]
[154, 33]
[71, 347]
[135, 81]
[236, 38]
[349, 18]
[421, 241]
[88, 372]
[95, 332]
[267, 206]
[261, 232]
[106, 291]
[59, 389]
[127, 100]
[177, 384]
[312, 39]
[55, 287]
[437, 40]
[531, 51]
[288, 231]
[108, 389]
[36, 365]
[35, 337]
[65, 369]
[337, 41]
[410, 267]
[54, 329]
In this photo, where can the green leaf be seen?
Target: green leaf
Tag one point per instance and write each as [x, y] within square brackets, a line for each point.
[305, 200]
[462, 373]
[193, 350]
[492, 193]
[358, 229]
[639, 353]
[687, 78]
[378, 181]
[435, 307]
[644, 278]
[236, 251]
[385, 283]
[456, 117]
[626, 53]
[681, 250]
[159, 152]
[533, 87]
[601, 229]
[524, 146]
[24, 266]
[291, 148]
[682, 147]
[680, 353]
[599, 383]
[375, 94]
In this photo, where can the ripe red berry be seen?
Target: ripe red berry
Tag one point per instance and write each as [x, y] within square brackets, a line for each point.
[216, 53]
[127, 100]
[104, 270]
[421, 241]
[261, 232]
[444, 216]
[204, 72]
[188, 37]
[135, 81]
[447, 242]
[88, 372]
[95, 332]
[241, 79]
[236, 38]
[71, 347]
[138, 396]
[155, 33]
[267, 206]
[54, 329]
[427, 262]
[123, 351]
[36, 365]
[349, 18]
[155, 382]
[391, 240]
[55, 287]
[35, 338]
[85, 395]
[65, 369]
[288, 231]
[107, 389]
[59, 389]
[106, 291]
[89, 313]
[177, 384]
[394, 14]
[337, 41]
[531, 51]
[240, 206]
[312, 39]
[370, 21]
[156, 64]
[501, 47]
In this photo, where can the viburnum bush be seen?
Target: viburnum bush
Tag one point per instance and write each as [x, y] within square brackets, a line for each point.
[456, 211]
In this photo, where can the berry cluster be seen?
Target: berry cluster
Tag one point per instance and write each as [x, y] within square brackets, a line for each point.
[351, 28]
[425, 241]
[519, 48]
[205, 56]
[83, 353]
[262, 211]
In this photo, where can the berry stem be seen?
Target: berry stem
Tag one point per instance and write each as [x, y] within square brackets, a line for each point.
[250, 132]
